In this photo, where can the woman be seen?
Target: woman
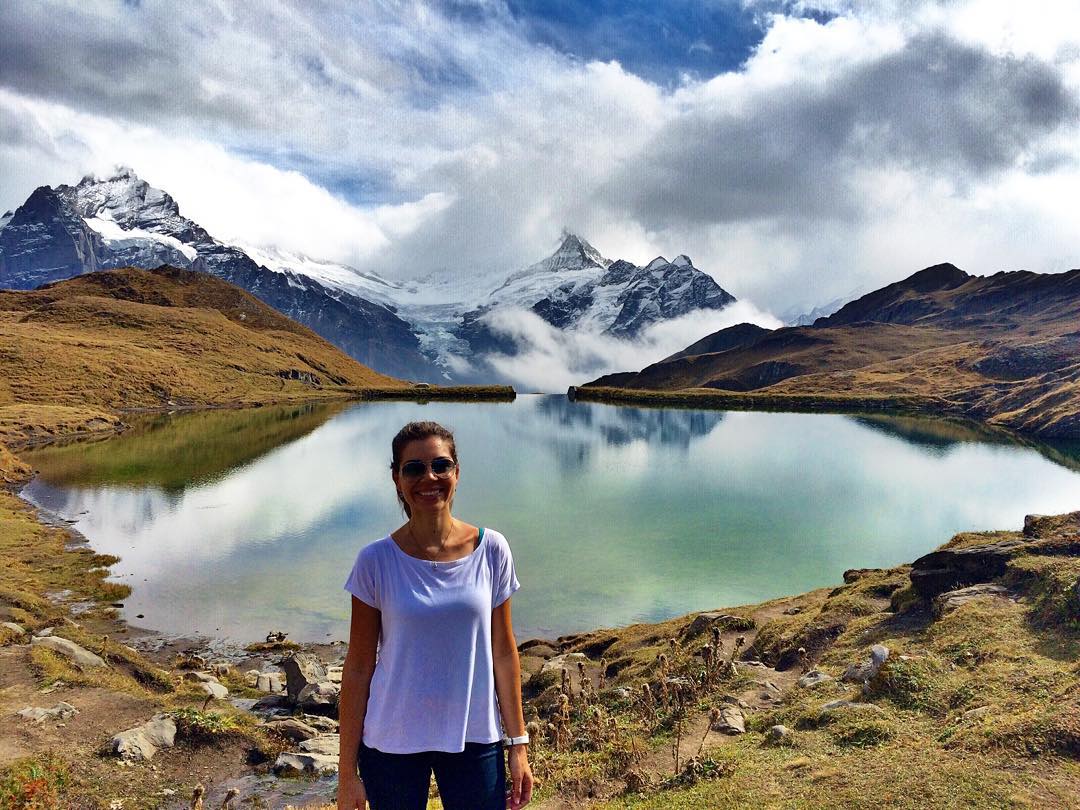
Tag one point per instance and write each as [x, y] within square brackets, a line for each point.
[434, 598]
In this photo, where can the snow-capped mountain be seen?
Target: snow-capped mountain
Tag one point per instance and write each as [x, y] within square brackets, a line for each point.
[123, 221]
[795, 317]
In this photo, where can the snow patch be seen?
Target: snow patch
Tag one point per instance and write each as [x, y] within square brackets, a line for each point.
[117, 237]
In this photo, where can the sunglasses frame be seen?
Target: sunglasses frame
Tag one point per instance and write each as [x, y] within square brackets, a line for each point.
[428, 465]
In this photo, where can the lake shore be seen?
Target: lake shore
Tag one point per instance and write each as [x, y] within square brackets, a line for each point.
[977, 702]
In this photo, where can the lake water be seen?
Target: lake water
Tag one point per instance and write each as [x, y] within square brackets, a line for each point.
[235, 523]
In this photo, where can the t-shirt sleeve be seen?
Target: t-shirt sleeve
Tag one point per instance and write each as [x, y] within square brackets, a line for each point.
[363, 579]
[504, 579]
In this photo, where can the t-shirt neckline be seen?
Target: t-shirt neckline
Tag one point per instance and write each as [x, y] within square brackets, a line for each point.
[440, 564]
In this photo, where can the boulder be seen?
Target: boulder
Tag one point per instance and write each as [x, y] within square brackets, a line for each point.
[292, 729]
[251, 678]
[951, 600]
[778, 735]
[1043, 526]
[297, 763]
[731, 720]
[61, 711]
[865, 670]
[326, 725]
[79, 656]
[334, 674]
[951, 568]
[301, 670]
[813, 678]
[319, 698]
[15, 628]
[271, 703]
[215, 690]
[269, 682]
[325, 744]
[142, 742]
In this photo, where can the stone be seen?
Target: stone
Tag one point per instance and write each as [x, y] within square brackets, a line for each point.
[142, 742]
[1043, 526]
[318, 697]
[777, 735]
[271, 703]
[950, 600]
[862, 672]
[325, 744]
[565, 661]
[297, 763]
[80, 656]
[251, 678]
[836, 707]
[813, 678]
[950, 568]
[301, 670]
[334, 674]
[15, 628]
[201, 677]
[705, 621]
[793, 611]
[731, 720]
[220, 668]
[327, 725]
[292, 729]
[269, 682]
[976, 713]
[61, 711]
[215, 690]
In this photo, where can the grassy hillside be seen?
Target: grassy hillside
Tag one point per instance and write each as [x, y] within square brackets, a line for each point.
[1003, 349]
[75, 352]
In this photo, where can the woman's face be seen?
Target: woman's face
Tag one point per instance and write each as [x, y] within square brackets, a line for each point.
[427, 492]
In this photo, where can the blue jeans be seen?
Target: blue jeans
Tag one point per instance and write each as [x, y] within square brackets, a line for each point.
[475, 779]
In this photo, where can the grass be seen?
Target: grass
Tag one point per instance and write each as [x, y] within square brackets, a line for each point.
[34, 783]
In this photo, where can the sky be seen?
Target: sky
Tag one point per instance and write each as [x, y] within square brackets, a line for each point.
[795, 149]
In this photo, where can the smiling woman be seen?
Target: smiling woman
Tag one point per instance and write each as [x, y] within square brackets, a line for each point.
[432, 661]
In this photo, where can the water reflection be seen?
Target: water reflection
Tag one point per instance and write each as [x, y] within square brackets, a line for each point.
[236, 522]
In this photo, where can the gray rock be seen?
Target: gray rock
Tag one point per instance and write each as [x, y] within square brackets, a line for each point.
[61, 711]
[142, 742]
[301, 670]
[201, 677]
[950, 600]
[298, 762]
[326, 725]
[271, 703]
[864, 671]
[291, 728]
[15, 628]
[334, 674]
[318, 697]
[813, 678]
[949, 568]
[269, 682]
[251, 678]
[731, 720]
[80, 656]
[215, 690]
[777, 735]
[325, 744]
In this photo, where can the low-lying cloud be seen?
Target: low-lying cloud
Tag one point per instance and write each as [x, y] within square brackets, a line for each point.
[549, 360]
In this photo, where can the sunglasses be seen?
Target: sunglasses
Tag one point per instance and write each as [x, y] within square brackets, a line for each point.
[440, 468]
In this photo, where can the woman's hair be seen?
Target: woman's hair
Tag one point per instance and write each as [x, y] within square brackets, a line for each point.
[410, 433]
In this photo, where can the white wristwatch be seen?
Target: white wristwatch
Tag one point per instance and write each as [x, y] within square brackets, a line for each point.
[522, 740]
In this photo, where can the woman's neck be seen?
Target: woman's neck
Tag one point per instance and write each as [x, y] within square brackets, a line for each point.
[431, 531]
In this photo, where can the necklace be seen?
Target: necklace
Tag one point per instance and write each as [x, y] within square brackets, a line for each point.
[442, 542]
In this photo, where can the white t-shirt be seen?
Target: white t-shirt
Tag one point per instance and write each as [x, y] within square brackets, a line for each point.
[434, 684]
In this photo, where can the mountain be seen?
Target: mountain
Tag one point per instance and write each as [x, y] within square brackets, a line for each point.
[122, 221]
[797, 317]
[130, 338]
[1003, 348]
[576, 288]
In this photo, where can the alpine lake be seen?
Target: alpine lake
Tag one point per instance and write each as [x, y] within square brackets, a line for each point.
[234, 523]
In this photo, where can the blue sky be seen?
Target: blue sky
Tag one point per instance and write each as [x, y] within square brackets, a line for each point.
[795, 150]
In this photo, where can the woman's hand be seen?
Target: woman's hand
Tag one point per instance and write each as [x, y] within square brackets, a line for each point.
[521, 778]
[351, 794]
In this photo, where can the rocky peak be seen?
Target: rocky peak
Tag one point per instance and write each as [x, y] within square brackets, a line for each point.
[682, 260]
[657, 263]
[123, 198]
[575, 252]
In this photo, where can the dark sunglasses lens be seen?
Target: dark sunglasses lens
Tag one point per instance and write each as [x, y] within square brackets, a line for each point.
[442, 466]
[413, 469]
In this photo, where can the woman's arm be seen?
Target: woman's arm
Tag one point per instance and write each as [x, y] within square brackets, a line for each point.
[508, 689]
[355, 684]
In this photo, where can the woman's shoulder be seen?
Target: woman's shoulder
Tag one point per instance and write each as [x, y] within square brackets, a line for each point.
[496, 541]
[375, 551]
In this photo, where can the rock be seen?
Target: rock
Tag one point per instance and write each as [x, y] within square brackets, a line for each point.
[61, 711]
[950, 600]
[271, 703]
[296, 763]
[215, 690]
[976, 713]
[251, 678]
[318, 697]
[80, 656]
[142, 742]
[731, 720]
[855, 574]
[836, 707]
[793, 611]
[1043, 526]
[301, 670]
[327, 725]
[951, 568]
[17, 629]
[326, 744]
[565, 661]
[269, 682]
[778, 735]
[334, 674]
[813, 678]
[221, 668]
[704, 621]
[864, 671]
[292, 729]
